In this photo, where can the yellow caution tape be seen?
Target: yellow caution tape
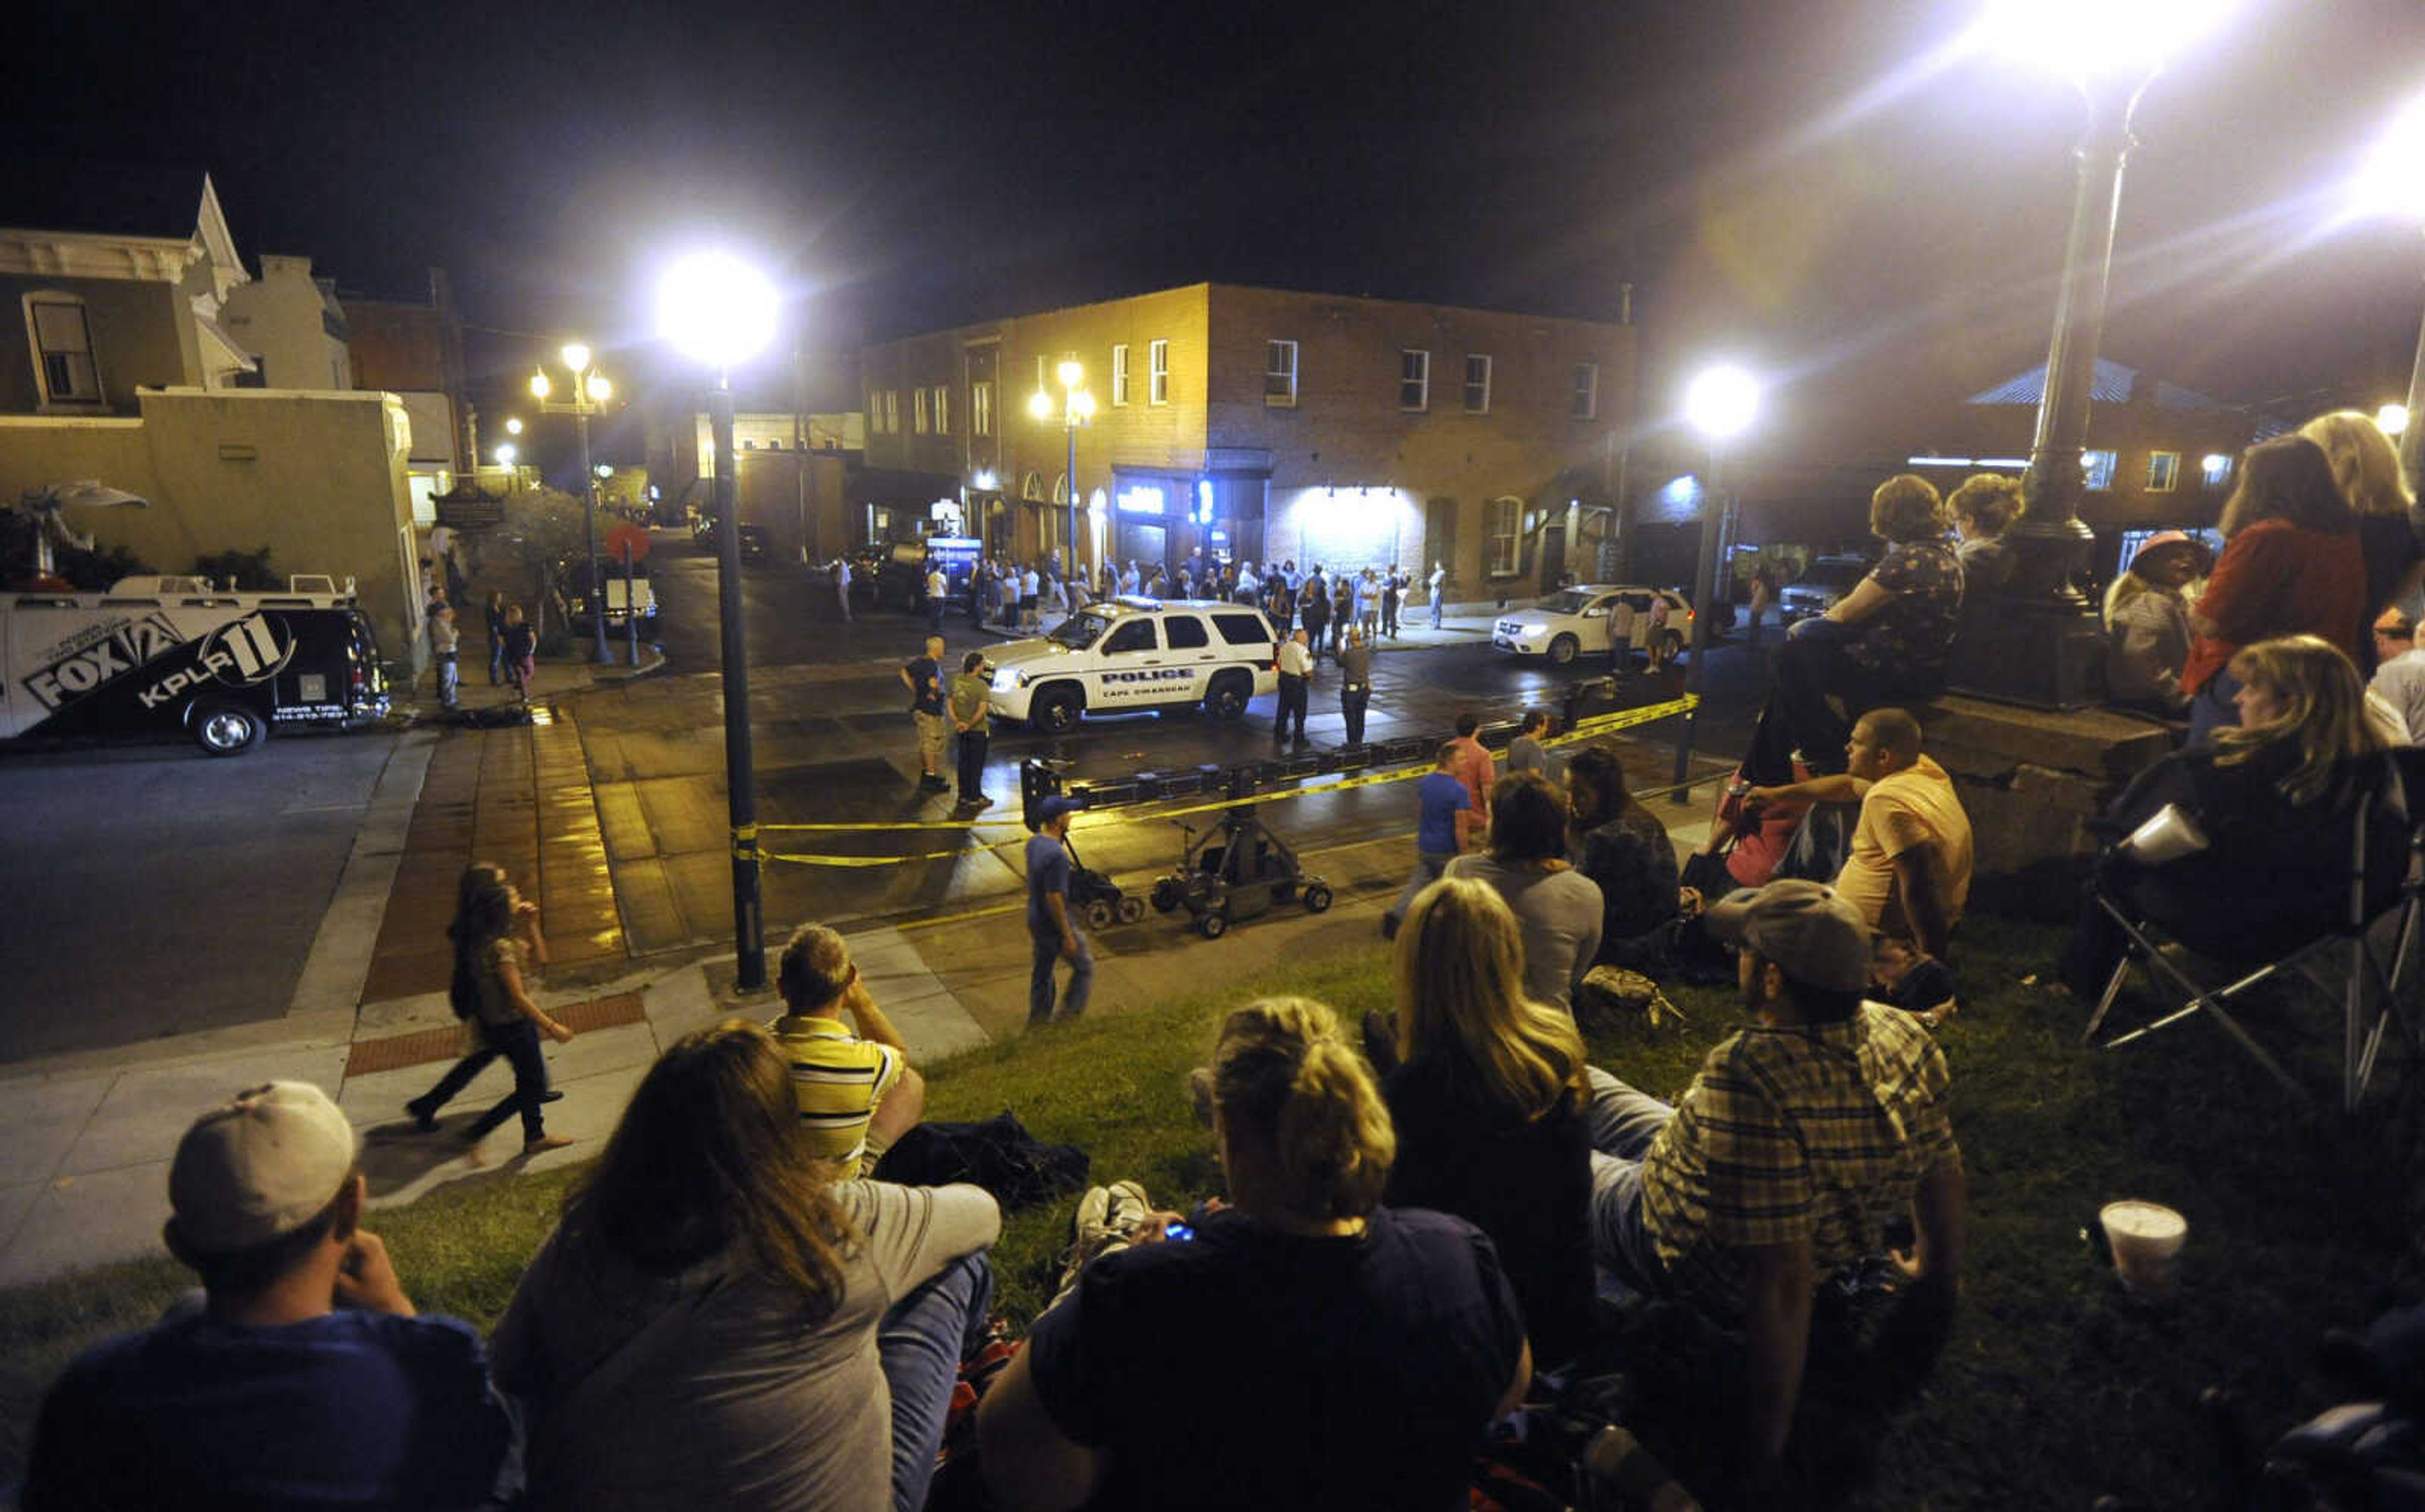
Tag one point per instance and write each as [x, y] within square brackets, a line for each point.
[1586, 729]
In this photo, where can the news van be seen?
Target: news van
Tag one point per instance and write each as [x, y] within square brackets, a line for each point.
[170, 656]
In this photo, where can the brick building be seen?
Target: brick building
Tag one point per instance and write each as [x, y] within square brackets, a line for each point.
[1259, 423]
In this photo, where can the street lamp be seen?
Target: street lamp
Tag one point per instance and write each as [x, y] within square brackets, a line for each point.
[2392, 420]
[1077, 407]
[719, 310]
[513, 425]
[591, 392]
[2042, 645]
[1720, 404]
[2389, 185]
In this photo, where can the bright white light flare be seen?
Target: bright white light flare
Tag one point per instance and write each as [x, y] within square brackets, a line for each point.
[2097, 39]
[1722, 402]
[2391, 181]
[2392, 420]
[716, 308]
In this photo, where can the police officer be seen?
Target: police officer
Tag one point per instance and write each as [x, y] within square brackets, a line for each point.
[1294, 665]
[1354, 682]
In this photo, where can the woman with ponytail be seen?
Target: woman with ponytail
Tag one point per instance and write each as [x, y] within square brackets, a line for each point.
[1306, 1348]
[1489, 1101]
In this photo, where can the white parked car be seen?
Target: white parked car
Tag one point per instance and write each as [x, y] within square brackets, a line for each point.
[1575, 622]
[1128, 653]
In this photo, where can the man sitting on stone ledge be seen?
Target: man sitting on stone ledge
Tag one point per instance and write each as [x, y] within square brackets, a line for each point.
[1909, 870]
[858, 1093]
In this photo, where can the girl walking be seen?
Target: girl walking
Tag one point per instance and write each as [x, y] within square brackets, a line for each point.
[496, 939]
[522, 653]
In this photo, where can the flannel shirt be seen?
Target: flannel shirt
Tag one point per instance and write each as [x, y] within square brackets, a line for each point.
[1822, 1130]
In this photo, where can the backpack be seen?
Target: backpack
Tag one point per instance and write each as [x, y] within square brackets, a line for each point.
[998, 1154]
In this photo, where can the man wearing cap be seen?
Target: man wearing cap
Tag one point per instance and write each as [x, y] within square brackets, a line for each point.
[1052, 929]
[2399, 668]
[305, 1379]
[969, 708]
[1800, 1138]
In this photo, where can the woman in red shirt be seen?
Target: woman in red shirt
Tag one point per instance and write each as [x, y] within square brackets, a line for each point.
[2291, 566]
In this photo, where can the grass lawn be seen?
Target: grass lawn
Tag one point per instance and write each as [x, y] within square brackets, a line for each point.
[2056, 1387]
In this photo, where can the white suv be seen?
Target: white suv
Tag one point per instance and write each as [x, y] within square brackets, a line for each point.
[1137, 653]
[1575, 621]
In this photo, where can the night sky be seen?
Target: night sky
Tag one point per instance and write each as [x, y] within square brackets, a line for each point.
[1818, 187]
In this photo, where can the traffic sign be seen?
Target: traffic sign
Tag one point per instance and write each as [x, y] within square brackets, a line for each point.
[627, 539]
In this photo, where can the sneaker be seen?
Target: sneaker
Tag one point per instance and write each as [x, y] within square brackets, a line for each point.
[980, 800]
[425, 1117]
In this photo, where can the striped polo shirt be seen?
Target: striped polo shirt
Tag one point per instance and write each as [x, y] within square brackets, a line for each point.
[838, 1078]
[1822, 1130]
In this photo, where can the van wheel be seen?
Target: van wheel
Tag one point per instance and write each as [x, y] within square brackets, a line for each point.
[1228, 699]
[225, 729]
[1057, 711]
[1562, 650]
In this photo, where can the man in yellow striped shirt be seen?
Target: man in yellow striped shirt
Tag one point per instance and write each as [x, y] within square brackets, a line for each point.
[857, 1092]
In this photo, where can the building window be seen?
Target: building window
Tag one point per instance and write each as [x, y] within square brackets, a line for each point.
[1583, 403]
[2098, 466]
[1031, 488]
[1506, 532]
[926, 415]
[1477, 383]
[891, 412]
[942, 409]
[2163, 472]
[1157, 373]
[1280, 374]
[2216, 469]
[1414, 379]
[1061, 489]
[1120, 373]
[62, 349]
[981, 408]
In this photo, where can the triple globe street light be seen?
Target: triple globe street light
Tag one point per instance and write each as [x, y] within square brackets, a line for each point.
[720, 312]
[591, 390]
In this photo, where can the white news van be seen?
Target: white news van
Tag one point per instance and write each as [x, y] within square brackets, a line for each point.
[167, 655]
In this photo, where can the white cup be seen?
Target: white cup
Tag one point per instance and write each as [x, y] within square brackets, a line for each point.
[2146, 1239]
[2169, 835]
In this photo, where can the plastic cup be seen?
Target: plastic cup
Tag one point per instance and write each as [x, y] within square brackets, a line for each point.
[2169, 835]
[2146, 1239]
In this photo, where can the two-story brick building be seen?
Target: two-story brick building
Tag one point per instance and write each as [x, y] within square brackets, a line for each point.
[1262, 424]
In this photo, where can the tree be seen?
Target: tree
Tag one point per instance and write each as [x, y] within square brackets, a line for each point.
[543, 532]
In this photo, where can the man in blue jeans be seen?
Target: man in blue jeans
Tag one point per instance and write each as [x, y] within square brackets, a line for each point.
[1800, 1138]
[1446, 818]
[1051, 927]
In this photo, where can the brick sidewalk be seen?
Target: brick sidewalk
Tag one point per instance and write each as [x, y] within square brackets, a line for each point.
[519, 797]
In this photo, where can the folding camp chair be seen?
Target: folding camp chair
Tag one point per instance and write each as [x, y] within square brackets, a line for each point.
[2378, 955]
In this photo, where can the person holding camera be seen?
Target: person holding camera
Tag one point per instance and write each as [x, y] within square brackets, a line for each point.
[1321, 1349]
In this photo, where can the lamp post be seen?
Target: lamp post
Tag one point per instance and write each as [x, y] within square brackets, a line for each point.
[1720, 404]
[2389, 184]
[2042, 645]
[719, 310]
[1077, 407]
[591, 392]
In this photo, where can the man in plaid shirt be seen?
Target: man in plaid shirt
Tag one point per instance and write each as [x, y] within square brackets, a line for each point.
[1800, 1138]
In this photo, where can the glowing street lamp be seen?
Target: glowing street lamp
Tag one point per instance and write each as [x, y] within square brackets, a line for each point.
[720, 311]
[1076, 408]
[2392, 182]
[513, 425]
[1720, 402]
[591, 392]
[2392, 420]
[2046, 642]
[507, 452]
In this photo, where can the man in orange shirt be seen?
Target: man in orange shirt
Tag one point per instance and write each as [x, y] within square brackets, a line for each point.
[1475, 767]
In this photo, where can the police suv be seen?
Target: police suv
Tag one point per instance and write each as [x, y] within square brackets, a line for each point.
[1130, 653]
[174, 655]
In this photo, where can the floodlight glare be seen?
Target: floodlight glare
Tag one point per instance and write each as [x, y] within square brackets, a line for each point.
[2214, 462]
[577, 357]
[2391, 182]
[2097, 39]
[506, 453]
[715, 308]
[1071, 374]
[1722, 402]
[2392, 420]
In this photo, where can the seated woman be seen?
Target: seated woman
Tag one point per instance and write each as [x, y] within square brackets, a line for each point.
[1886, 642]
[2291, 566]
[1982, 507]
[1621, 846]
[1308, 1347]
[702, 1328]
[2267, 793]
[1488, 1098]
[1558, 908]
[2148, 624]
